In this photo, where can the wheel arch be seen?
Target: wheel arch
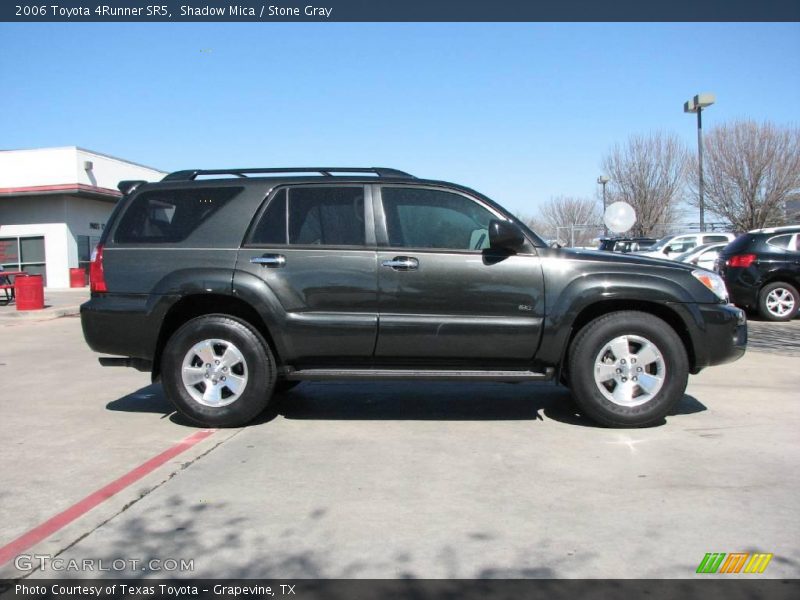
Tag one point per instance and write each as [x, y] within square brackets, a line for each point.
[198, 305]
[604, 307]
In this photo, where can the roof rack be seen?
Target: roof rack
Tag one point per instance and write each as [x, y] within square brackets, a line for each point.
[191, 174]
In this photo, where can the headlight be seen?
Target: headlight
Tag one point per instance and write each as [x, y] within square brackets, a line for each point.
[713, 282]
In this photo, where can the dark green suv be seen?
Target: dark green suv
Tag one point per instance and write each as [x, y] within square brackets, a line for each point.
[228, 284]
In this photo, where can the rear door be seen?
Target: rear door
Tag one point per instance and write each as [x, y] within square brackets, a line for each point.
[311, 247]
[443, 295]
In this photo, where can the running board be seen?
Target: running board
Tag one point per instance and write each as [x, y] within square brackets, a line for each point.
[415, 374]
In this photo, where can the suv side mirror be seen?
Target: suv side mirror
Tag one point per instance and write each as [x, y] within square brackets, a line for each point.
[505, 236]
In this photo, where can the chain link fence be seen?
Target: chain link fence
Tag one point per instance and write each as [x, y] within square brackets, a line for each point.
[584, 235]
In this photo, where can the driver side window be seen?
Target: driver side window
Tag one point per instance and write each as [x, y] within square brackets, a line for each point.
[429, 218]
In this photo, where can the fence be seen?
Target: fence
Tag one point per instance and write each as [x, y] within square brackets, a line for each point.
[583, 235]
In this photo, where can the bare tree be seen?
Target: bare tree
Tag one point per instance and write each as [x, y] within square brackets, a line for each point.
[648, 172]
[537, 225]
[750, 172]
[572, 219]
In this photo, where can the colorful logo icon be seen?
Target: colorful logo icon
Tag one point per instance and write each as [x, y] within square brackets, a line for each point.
[735, 562]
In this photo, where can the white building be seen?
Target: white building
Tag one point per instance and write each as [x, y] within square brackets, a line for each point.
[54, 204]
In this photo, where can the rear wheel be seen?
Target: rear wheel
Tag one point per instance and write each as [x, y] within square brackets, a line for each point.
[627, 369]
[218, 371]
[778, 301]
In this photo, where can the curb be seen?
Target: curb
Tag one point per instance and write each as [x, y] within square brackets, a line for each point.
[44, 314]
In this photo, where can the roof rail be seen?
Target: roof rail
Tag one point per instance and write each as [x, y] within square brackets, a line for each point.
[192, 174]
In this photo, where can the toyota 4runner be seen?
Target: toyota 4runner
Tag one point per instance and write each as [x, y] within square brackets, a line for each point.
[229, 284]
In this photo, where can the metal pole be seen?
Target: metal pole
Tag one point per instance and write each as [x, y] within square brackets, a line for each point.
[605, 227]
[572, 235]
[700, 166]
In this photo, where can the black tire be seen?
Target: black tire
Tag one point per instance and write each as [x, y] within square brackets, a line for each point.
[672, 368]
[770, 293]
[254, 364]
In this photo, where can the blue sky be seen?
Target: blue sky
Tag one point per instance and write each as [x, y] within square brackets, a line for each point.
[521, 112]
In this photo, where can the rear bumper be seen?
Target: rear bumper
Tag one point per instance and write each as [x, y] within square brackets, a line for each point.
[722, 337]
[121, 325]
[743, 285]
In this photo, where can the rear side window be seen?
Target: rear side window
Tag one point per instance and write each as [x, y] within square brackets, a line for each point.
[325, 216]
[170, 216]
[780, 241]
[709, 239]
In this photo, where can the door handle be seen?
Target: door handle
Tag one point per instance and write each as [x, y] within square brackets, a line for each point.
[402, 263]
[272, 261]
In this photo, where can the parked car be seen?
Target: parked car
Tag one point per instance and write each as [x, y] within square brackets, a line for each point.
[672, 245]
[761, 269]
[228, 289]
[625, 244]
[701, 256]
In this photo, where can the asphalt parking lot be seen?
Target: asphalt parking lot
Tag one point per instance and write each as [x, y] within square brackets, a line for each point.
[394, 480]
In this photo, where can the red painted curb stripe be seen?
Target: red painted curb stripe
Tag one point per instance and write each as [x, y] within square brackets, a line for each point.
[62, 519]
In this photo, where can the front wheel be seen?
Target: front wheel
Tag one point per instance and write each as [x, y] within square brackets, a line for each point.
[218, 371]
[627, 369]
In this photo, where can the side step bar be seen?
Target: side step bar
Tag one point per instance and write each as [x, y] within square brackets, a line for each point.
[415, 374]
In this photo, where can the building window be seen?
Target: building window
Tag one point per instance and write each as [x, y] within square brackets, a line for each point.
[23, 254]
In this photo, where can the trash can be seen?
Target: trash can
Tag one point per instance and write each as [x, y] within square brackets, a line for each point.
[77, 278]
[29, 291]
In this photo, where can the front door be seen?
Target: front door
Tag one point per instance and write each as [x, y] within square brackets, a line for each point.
[444, 296]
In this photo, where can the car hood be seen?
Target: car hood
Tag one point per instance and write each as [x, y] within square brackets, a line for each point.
[629, 259]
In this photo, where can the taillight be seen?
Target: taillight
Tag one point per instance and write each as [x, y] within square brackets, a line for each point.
[97, 279]
[742, 260]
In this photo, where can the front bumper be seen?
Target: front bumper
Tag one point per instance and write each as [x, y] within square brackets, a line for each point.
[722, 337]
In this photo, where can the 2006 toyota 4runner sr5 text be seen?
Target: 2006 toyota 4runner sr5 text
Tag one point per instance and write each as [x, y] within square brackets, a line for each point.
[229, 284]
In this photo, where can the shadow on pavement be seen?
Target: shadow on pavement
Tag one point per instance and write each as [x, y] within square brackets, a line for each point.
[403, 401]
[419, 401]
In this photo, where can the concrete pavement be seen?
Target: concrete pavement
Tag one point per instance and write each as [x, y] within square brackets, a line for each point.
[391, 480]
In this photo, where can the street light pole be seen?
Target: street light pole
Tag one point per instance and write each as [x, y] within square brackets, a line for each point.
[603, 180]
[696, 105]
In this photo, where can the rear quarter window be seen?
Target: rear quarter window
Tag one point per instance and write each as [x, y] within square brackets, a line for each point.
[170, 216]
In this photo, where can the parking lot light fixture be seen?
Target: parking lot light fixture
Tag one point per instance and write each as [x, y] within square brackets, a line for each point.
[603, 180]
[696, 105]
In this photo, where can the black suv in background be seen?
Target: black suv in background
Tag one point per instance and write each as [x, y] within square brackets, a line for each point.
[761, 269]
[228, 285]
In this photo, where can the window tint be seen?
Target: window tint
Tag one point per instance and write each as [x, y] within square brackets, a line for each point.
[422, 218]
[330, 216]
[708, 239]
[170, 216]
[271, 228]
[780, 241]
